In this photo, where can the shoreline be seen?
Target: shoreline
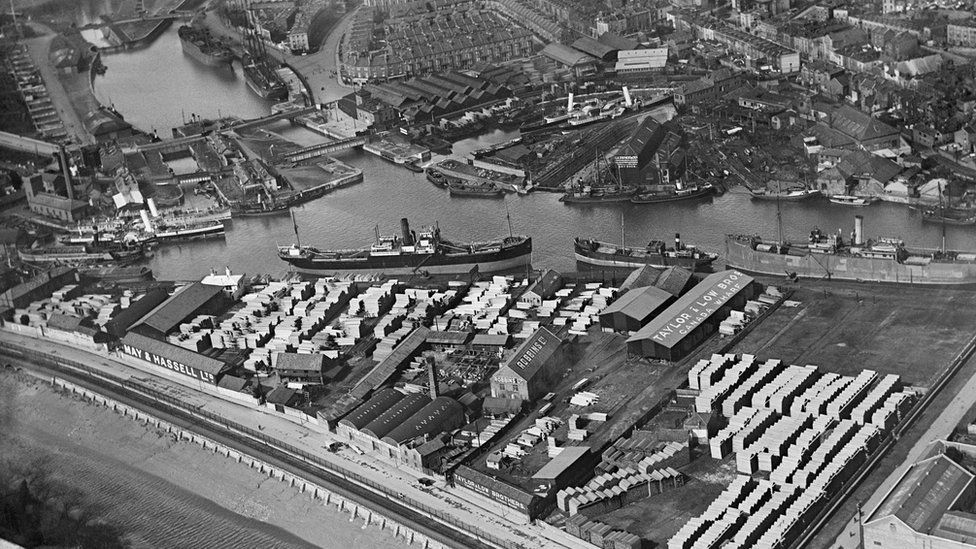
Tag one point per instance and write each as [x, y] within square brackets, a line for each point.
[192, 491]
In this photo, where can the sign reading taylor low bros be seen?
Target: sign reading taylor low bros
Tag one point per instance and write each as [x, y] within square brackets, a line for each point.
[700, 305]
[177, 364]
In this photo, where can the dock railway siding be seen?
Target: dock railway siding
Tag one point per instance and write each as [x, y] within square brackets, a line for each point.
[346, 484]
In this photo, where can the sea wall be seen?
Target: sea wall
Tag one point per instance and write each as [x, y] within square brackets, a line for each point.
[302, 485]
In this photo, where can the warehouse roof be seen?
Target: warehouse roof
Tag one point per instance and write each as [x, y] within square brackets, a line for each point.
[297, 361]
[618, 42]
[546, 285]
[639, 302]
[381, 401]
[958, 526]
[397, 414]
[183, 303]
[924, 493]
[693, 308]
[382, 371]
[533, 353]
[652, 58]
[858, 125]
[281, 395]
[494, 340]
[174, 352]
[593, 47]
[647, 134]
[566, 55]
[121, 322]
[557, 465]
[448, 338]
[673, 280]
[438, 415]
[233, 383]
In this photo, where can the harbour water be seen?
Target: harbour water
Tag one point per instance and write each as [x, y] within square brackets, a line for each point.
[347, 218]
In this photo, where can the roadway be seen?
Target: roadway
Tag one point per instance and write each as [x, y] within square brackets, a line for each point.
[38, 49]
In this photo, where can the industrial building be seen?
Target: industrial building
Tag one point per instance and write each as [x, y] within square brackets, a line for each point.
[183, 304]
[171, 358]
[634, 309]
[544, 287]
[303, 369]
[692, 317]
[399, 426]
[530, 372]
[523, 504]
[928, 507]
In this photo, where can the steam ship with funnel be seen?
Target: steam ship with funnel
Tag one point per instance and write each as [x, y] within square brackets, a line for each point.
[412, 252]
[827, 256]
[656, 254]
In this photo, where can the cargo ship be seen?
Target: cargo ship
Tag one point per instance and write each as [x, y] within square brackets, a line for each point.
[412, 252]
[475, 190]
[604, 188]
[199, 44]
[116, 274]
[656, 254]
[686, 193]
[828, 257]
[84, 254]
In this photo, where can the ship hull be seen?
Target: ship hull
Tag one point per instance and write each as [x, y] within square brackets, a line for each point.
[741, 255]
[514, 257]
[608, 259]
[200, 56]
[264, 91]
[650, 199]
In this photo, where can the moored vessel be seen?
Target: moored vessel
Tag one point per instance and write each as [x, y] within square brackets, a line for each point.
[849, 200]
[655, 254]
[685, 193]
[198, 43]
[411, 252]
[475, 190]
[829, 257]
[791, 195]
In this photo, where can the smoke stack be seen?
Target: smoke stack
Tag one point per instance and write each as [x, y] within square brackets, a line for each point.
[858, 230]
[432, 376]
[145, 221]
[65, 171]
[677, 241]
[153, 210]
[627, 100]
[405, 229]
[569, 102]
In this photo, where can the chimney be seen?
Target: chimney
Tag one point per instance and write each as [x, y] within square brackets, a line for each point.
[627, 100]
[432, 376]
[405, 229]
[677, 241]
[858, 230]
[569, 102]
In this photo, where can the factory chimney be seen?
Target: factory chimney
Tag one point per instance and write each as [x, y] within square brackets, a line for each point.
[858, 230]
[569, 102]
[405, 228]
[432, 376]
[677, 241]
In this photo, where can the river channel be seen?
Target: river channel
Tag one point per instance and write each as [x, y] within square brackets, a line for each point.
[157, 86]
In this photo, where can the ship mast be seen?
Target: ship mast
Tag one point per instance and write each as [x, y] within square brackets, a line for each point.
[622, 242]
[942, 215]
[294, 223]
[508, 215]
[779, 210]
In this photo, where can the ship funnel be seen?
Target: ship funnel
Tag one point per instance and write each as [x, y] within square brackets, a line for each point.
[145, 221]
[858, 230]
[677, 241]
[569, 102]
[628, 102]
[153, 210]
[405, 229]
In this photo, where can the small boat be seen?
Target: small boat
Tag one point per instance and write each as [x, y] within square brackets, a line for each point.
[688, 193]
[794, 195]
[848, 200]
[414, 166]
[437, 178]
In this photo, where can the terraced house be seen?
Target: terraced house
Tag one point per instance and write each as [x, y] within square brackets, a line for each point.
[417, 42]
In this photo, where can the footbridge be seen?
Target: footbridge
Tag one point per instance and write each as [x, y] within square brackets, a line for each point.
[265, 120]
[27, 144]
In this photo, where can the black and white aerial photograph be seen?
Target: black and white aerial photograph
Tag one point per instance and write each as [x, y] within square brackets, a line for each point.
[488, 274]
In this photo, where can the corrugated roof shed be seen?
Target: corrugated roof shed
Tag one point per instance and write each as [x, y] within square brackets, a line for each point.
[494, 340]
[280, 395]
[175, 353]
[924, 493]
[673, 280]
[557, 465]
[693, 308]
[182, 304]
[448, 338]
[382, 371]
[858, 125]
[397, 414]
[530, 356]
[644, 135]
[380, 402]
[957, 526]
[232, 383]
[618, 42]
[546, 285]
[121, 322]
[641, 276]
[438, 415]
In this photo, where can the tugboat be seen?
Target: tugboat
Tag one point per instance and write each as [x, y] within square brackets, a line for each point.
[412, 252]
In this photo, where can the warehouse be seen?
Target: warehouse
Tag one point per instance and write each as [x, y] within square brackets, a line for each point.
[524, 505]
[927, 508]
[163, 356]
[304, 369]
[634, 309]
[571, 466]
[121, 322]
[530, 372]
[692, 317]
[186, 302]
[638, 151]
[543, 288]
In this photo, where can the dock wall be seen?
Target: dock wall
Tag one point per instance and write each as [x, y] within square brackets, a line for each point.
[302, 485]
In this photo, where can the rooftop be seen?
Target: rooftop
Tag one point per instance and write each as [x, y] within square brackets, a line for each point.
[183, 303]
[174, 353]
[639, 302]
[924, 493]
[533, 353]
